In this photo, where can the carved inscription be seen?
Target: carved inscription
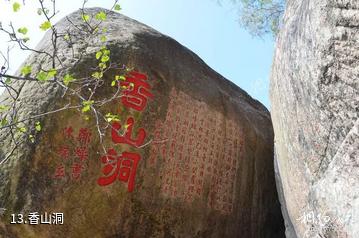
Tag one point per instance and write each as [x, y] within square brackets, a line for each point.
[199, 149]
[136, 92]
[73, 153]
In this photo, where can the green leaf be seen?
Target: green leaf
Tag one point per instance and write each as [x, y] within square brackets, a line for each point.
[90, 102]
[16, 7]
[37, 126]
[7, 80]
[68, 78]
[105, 59]
[4, 108]
[97, 75]
[26, 39]
[45, 25]
[22, 129]
[120, 77]
[42, 76]
[86, 108]
[106, 52]
[3, 122]
[51, 73]
[87, 105]
[102, 66]
[98, 54]
[67, 37]
[85, 17]
[117, 7]
[26, 70]
[103, 38]
[113, 83]
[111, 117]
[101, 16]
[32, 139]
[23, 30]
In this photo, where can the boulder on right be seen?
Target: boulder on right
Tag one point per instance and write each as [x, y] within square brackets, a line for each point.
[314, 99]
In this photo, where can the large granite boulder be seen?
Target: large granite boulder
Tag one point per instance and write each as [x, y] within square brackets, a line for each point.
[198, 164]
[315, 106]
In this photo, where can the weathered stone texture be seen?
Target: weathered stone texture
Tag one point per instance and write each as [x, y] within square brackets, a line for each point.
[315, 106]
[223, 140]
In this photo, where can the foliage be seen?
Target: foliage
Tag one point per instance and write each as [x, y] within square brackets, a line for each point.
[16, 7]
[45, 25]
[26, 70]
[24, 129]
[260, 17]
[22, 30]
[101, 16]
[68, 78]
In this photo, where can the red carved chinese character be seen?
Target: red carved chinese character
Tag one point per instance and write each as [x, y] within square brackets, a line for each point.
[122, 167]
[117, 139]
[59, 172]
[84, 136]
[81, 153]
[136, 92]
[152, 159]
[157, 134]
[193, 179]
[64, 152]
[67, 132]
[76, 170]
[165, 189]
[164, 152]
[173, 143]
[185, 123]
[188, 197]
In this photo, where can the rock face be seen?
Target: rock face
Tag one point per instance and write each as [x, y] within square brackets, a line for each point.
[204, 168]
[315, 106]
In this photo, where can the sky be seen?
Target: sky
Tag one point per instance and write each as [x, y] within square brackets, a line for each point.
[209, 29]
